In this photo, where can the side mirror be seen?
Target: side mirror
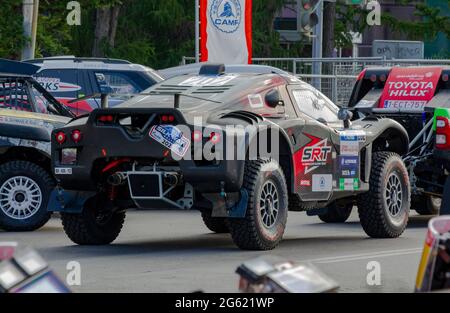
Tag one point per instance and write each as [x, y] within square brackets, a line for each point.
[273, 99]
[346, 116]
[103, 85]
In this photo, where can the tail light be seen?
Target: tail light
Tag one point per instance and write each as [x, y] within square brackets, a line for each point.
[76, 136]
[167, 118]
[60, 137]
[105, 118]
[442, 133]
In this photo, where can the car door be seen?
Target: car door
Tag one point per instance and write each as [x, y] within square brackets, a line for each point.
[314, 150]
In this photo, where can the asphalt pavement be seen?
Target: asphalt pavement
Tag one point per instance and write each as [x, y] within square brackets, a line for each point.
[172, 251]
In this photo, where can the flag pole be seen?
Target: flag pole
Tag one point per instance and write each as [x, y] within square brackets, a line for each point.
[197, 31]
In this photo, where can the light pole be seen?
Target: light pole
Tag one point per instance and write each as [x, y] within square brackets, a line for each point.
[30, 10]
[197, 31]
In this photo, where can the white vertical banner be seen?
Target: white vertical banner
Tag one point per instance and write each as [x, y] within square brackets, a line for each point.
[226, 31]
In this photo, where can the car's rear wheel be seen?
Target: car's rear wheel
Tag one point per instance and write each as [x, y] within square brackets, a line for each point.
[25, 188]
[426, 205]
[384, 209]
[94, 225]
[337, 213]
[265, 221]
[218, 225]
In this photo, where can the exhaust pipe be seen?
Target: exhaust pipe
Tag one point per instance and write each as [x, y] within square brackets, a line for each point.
[171, 179]
[117, 179]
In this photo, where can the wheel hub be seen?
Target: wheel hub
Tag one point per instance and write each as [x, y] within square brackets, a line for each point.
[394, 195]
[20, 197]
[269, 204]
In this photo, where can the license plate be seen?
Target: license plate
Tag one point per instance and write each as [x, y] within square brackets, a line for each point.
[170, 137]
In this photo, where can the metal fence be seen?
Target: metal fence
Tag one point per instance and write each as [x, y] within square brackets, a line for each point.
[335, 77]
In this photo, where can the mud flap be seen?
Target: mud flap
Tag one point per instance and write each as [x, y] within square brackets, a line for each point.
[445, 205]
[68, 201]
[240, 209]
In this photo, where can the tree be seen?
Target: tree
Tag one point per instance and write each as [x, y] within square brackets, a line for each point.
[107, 16]
[12, 38]
[329, 18]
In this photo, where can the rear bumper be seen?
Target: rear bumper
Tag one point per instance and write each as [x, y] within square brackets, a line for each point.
[227, 175]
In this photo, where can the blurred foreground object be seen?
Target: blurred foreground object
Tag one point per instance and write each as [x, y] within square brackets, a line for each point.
[25, 271]
[270, 274]
[434, 268]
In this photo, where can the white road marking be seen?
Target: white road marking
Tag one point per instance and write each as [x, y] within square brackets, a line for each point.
[355, 257]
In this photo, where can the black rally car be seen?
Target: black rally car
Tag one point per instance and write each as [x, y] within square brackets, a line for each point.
[28, 114]
[153, 152]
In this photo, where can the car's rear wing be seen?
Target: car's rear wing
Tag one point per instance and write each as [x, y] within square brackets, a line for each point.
[17, 69]
[371, 93]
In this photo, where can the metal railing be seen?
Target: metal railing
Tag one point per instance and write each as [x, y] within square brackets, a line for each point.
[335, 77]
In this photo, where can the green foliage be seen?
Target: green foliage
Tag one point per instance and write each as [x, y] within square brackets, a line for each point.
[432, 22]
[11, 36]
[158, 33]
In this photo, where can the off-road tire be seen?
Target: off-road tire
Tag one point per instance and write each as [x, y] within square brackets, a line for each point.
[425, 205]
[45, 184]
[374, 213]
[251, 232]
[337, 213]
[83, 229]
[217, 225]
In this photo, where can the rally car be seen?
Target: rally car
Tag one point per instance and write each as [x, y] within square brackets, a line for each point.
[409, 95]
[28, 114]
[69, 78]
[244, 149]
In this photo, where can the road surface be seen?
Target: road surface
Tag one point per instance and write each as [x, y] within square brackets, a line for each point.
[174, 252]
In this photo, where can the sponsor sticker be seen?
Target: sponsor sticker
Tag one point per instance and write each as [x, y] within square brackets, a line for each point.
[56, 85]
[349, 166]
[315, 155]
[349, 184]
[256, 101]
[305, 183]
[208, 81]
[350, 142]
[63, 171]
[322, 182]
[170, 137]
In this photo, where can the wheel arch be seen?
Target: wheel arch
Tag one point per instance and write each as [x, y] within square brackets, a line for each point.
[283, 155]
[393, 138]
[26, 154]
